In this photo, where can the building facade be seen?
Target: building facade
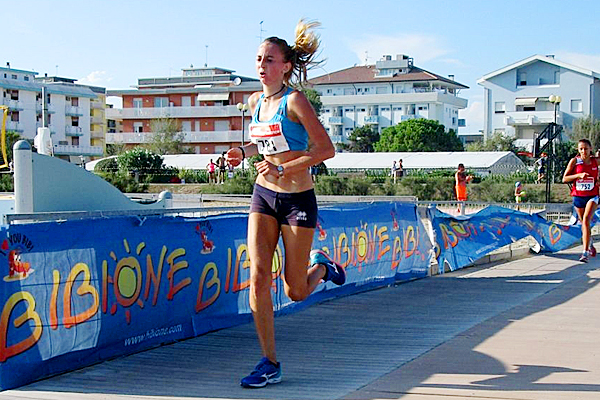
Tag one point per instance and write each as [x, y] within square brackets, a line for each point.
[385, 94]
[203, 101]
[520, 99]
[68, 111]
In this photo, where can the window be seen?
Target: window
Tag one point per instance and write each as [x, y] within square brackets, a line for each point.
[75, 141]
[74, 121]
[161, 102]
[26, 78]
[576, 106]
[556, 77]
[14, 116]
[348, 110]
[522, 79]
[499, 107]
[137, 102]
[138, 127]
[75, 101]
[14, 76]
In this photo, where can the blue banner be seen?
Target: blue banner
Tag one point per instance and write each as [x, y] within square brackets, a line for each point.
[78, 292]
[461, 240]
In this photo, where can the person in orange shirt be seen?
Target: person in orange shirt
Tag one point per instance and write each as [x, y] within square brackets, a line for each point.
[461, 179]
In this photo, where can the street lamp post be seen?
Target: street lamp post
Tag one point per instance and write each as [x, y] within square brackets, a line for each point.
[243, 108]
[549, 165]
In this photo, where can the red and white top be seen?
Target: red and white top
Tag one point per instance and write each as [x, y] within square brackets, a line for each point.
[589, 186]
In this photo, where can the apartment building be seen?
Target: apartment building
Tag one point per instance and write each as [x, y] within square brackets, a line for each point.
[68, 113]
[520, 100]
[97, 107]
[202, 100]
[385, 94]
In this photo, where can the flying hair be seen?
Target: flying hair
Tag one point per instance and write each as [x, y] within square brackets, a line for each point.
[302, 54]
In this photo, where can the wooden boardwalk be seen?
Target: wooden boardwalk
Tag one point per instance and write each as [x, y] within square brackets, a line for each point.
[355, 347]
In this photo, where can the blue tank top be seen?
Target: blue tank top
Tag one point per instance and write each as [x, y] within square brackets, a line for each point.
[279, 134]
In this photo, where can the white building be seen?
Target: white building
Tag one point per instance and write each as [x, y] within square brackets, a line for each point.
[68, 115]
[517, 97]
[385, 94]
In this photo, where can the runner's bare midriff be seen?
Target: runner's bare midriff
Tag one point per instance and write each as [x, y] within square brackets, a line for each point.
[292, 181]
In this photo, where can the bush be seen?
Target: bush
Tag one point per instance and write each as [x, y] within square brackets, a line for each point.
[237, 185]
[331, 185]
[124, 182]
[141, 161]
[193, 176]
[7, 183]
[107, 165]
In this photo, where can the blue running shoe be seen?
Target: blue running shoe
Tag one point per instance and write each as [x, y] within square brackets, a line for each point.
[265, 372]
[334, 271]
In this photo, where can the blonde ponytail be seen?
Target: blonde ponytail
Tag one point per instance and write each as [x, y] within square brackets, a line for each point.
[301, 55]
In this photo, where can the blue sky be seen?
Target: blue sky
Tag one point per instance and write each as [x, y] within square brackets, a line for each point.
[113, 43]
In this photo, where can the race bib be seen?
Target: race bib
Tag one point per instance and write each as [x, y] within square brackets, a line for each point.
[268, 137]
[584, 185]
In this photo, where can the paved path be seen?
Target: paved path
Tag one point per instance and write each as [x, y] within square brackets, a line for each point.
[524, 329]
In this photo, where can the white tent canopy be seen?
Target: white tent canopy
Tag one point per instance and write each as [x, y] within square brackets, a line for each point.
[496, 162]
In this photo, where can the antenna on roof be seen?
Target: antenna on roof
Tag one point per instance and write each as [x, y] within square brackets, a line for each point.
[366, 57]
[261, 31]
[206, 55]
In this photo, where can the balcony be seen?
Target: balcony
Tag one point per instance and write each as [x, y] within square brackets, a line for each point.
[14, 105]
[67, 150]
[14, 126]
[175, 112]
[408, 117]
[73, 111]
[73, 131]
[337, 139]
[96, 105]
[39, 106]
[516, 118]
[97, 120]
[189, 137]
[336, 120]
[394, 98]
[372, 120]
[97, 134]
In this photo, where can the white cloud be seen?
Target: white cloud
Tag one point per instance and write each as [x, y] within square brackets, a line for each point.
[96, 78]
[473, 115]
[588, 61]
[453, 61]
[421, 48]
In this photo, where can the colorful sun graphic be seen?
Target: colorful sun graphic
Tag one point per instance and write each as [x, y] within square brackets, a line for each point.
[126, 280]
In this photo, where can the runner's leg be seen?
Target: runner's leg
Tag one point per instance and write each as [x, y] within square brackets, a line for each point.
[263, 235]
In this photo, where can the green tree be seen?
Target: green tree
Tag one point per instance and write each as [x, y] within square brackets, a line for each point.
[314, 98]
[361, 140]
[140, 161]
[497, 142]
[11, 139]
[586, 128]
[418, 135]
[114, 149]
[167, 137]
